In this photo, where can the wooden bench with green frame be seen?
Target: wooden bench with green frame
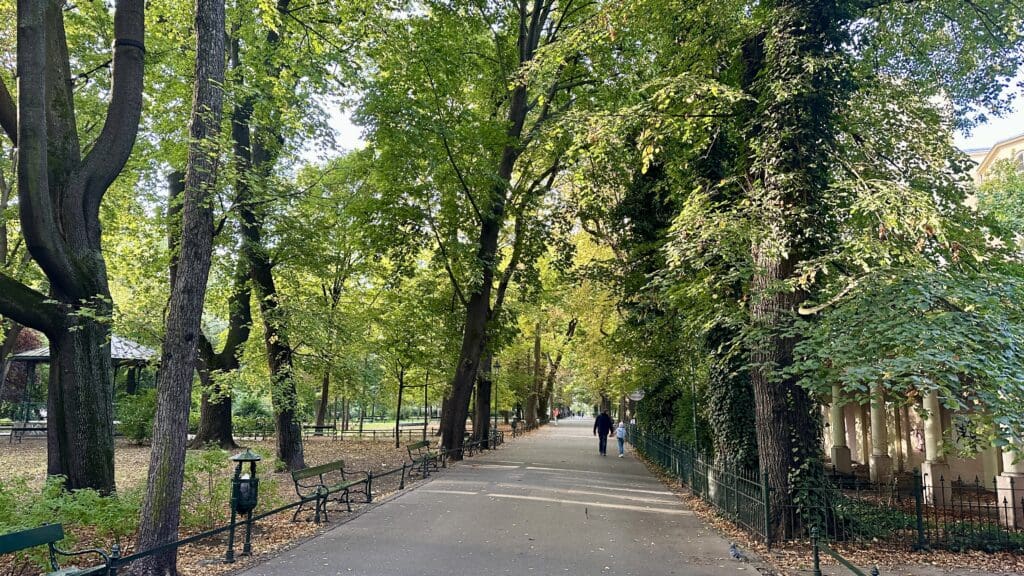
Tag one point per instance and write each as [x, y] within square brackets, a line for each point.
[318, 484]
[50, 534]
[422, 456]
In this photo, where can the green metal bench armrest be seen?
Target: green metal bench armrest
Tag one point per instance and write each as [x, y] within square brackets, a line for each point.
[54, 550]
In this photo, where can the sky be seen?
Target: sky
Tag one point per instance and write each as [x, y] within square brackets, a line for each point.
[349, 137]
[995, 130]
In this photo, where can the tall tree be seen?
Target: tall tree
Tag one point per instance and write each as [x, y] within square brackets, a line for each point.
[161, 507]
[59, 194]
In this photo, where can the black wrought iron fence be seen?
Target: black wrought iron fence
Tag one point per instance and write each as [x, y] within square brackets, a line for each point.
[910, 511]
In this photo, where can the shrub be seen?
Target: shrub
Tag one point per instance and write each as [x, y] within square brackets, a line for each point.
[206, 491]
[251, 407]
[109, 518]
[135, 413]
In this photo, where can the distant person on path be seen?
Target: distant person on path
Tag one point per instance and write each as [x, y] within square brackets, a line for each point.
[603, 429]
[620, 435]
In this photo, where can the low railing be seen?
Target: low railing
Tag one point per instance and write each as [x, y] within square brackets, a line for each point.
[911, 512]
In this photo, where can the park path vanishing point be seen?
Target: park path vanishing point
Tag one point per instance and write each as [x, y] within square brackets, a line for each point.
[546, 503]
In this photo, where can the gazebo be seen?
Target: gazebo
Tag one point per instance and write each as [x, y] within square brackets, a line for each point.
[124, 353]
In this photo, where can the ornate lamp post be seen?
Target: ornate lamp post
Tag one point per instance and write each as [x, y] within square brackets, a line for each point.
[244, 497]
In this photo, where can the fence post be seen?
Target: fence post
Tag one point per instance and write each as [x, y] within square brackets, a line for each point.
[401, 484]
[765, 491]
[814, 551]
[369, 484]
[919, 509]
[115, 556]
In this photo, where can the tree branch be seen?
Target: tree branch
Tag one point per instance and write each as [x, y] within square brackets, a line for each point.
[28, 307]
[8, 114]
[447, 261]
[114, 144]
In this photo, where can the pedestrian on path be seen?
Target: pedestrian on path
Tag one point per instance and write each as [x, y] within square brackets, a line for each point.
[620, 435]
[603, 429]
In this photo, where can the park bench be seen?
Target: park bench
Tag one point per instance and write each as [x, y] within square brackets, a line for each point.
[49, 535]
[422, 456]
[319, 484]
[326, 430]
[21, 430]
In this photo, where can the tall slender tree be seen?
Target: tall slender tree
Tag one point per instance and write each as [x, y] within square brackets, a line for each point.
[161, 507]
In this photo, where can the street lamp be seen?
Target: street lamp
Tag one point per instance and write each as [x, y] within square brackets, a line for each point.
[244, 497]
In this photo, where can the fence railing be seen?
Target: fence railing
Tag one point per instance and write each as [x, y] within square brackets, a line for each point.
[911, 511]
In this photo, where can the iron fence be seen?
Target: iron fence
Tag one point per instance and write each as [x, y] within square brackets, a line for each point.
[911, 511]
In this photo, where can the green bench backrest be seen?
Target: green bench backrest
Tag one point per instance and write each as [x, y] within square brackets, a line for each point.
[29, 538]
[317, 470]
[419, 445]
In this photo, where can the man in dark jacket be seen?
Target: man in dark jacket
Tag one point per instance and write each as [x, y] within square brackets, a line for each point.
[603, 429]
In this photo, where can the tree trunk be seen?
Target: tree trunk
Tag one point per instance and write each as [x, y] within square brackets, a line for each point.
[256, 155]
[398, 411]
[791, 138]
[161, 507]
[215, 423]
[80, 435]
[59, 199]
[533, 400]
[482, 412]
[325, 391]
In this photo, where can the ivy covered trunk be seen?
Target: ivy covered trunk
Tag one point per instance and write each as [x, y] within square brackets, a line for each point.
[797, 77]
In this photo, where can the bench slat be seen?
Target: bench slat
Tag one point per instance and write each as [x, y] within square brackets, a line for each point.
[29, 538]
[318, 470]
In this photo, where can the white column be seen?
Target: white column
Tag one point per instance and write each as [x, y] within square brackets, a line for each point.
[864, 445]
[881, 463]
[1010, 487]
[837, 419]
[938, 490]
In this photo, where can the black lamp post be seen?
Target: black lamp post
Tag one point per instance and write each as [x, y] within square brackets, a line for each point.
[244, 497]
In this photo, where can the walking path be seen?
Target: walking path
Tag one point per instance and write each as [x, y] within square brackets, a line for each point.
[546, 503]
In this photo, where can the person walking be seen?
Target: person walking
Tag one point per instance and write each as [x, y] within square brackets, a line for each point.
[603, 429]
[620, 435]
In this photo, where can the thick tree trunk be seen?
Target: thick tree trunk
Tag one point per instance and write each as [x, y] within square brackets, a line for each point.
[790, 143]
[215, 425]
[59, 199]
[80, 435]
[482, 411]
[161, 507]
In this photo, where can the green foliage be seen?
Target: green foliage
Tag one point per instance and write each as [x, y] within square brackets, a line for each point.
[869, 521]
[206, 492]
[917, 331]
[136, 413]
[249, 406]
[108, 518]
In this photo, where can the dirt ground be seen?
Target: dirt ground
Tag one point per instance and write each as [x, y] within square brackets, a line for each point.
[28, 460]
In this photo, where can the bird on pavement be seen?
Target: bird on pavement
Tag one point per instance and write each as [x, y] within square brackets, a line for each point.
[736, 553]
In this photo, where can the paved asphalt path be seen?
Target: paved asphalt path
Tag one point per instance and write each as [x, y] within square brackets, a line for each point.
[546, 503]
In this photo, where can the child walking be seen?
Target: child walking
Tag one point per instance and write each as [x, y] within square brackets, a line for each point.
[620, 435]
